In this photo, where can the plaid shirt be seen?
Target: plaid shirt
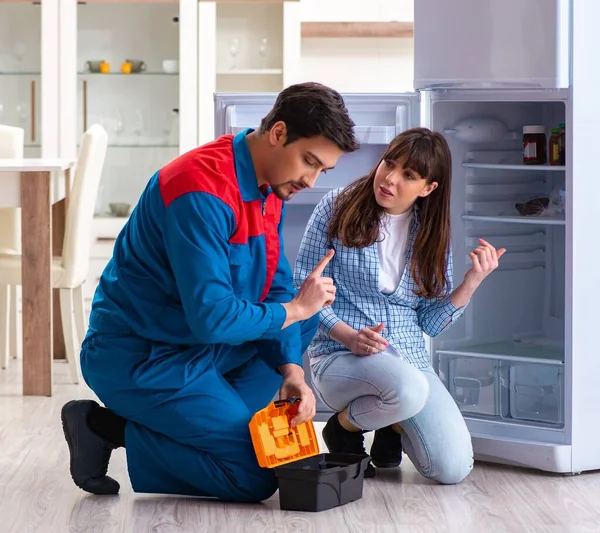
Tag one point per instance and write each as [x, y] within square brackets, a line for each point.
[359, 302]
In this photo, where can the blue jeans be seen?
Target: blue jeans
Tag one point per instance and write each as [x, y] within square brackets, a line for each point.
[383, 389]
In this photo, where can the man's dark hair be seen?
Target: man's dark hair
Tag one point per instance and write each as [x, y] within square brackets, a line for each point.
[311, 109]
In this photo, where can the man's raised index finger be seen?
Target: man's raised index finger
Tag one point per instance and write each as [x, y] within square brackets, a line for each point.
[318, 270]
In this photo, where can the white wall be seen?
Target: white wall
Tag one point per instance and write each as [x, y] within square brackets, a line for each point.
[358, 64]
[357, 10]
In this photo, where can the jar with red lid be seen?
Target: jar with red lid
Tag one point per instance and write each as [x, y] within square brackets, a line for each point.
[534, 145]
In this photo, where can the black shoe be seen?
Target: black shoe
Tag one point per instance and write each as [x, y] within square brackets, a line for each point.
[386, 450]
[89, 452]
[340, 440]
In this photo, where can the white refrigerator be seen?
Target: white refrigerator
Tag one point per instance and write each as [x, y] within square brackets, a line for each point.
[521, 363]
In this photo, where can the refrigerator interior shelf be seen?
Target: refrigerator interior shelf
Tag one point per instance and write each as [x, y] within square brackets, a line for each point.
[503, 166]
[522, 352]
[539, 221]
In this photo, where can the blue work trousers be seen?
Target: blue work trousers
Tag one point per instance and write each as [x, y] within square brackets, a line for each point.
[187, 412]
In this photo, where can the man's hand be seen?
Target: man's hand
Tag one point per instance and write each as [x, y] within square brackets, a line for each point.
[315, 293]
[294, 386]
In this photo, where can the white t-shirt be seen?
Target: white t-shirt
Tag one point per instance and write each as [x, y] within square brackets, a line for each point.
[392, 248]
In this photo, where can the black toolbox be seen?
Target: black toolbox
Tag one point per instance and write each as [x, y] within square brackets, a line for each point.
[321, 482]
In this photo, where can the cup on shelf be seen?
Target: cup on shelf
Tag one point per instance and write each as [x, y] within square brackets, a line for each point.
[119, 209]
[170, 66]
[93, 65]
[137, 65]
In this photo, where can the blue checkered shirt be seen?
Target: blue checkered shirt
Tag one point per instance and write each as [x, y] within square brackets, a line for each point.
[359, 302]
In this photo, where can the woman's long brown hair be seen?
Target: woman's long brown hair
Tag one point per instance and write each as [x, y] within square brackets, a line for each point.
[357, 215]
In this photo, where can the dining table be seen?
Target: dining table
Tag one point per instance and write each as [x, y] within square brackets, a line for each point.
[40, 187]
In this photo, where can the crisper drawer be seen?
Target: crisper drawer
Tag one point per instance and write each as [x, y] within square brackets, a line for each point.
[473, 383]
[536, 392]
[510, 382]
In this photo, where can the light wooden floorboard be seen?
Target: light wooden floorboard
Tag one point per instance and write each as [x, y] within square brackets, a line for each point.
[37, 494]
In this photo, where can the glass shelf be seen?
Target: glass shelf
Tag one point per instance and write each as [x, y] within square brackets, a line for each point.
[131, 145]
[251, 72]
[519, 351]
[19, 73]
[131, 75]
[128, 145]
[540, 221]
[503, 166]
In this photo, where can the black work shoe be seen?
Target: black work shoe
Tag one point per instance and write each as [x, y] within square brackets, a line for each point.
[386, 451]
[340, 440]
[89, 452]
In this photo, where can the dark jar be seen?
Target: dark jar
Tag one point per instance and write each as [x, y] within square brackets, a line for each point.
[534, 145]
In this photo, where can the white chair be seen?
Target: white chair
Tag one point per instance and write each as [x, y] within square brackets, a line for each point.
[11, 147]
[69, 272]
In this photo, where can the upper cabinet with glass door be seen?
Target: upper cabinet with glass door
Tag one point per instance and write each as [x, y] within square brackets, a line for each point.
[20, 70]
[128, 80]
[245, 46]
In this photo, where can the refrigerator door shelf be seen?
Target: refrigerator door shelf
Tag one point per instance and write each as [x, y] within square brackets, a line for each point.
[364, 134]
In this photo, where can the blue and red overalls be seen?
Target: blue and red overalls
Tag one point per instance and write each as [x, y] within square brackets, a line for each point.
[185, 331]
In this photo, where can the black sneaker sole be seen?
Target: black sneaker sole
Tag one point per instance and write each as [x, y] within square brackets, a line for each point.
[385, 465]
[88, 486]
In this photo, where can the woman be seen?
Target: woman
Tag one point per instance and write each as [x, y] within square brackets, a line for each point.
[393, 272]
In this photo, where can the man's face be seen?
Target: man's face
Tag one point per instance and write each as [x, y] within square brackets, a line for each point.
[298, 165]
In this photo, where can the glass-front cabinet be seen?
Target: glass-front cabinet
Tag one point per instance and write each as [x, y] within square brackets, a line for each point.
[146, 70]
[21, 71]
[128, 80]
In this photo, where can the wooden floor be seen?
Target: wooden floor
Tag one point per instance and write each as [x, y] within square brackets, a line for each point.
[37, 494]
